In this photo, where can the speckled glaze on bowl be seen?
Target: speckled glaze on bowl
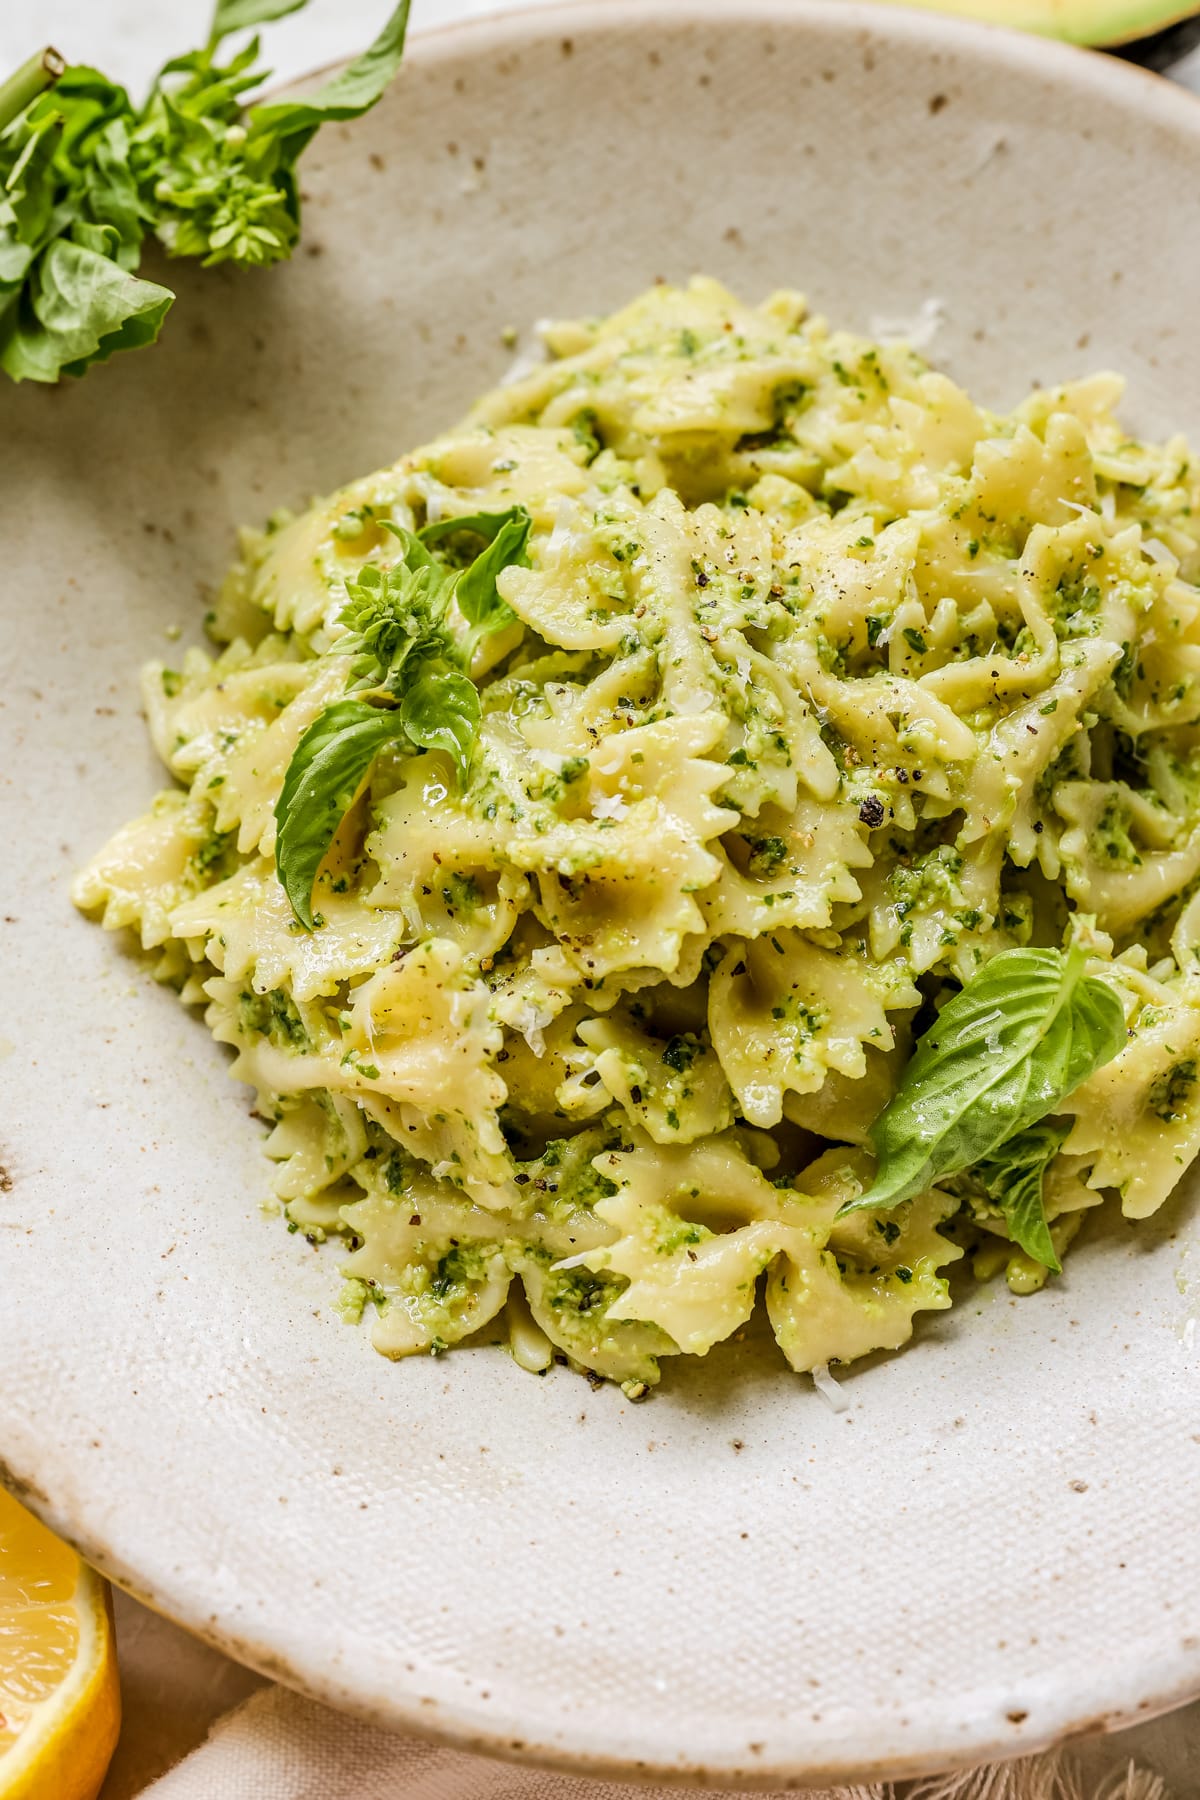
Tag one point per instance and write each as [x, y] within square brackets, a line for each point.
[996, 1544]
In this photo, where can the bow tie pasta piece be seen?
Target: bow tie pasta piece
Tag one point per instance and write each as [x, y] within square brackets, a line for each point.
[413, 1048]
[198, 712]
[696, 1227]
[231, 728]
[531, 982]
[418, 1047]
[442, 864]
[783, 1012]
[1002, 645]
[422, 828]
[740, 600]
[1123, 854]
[1159, 686]
[284, 1047]
[250, 771]
[317, 1140]
[476, 909]
[489, 471]
[778, 744]
[845, 1107]
[571, 1305]
[618, 890]
[899, 736]
[541, 1067]
[1138, 1118]
[664, 763]
[558, 973]
[245, 927]
[673, 1088]
[620, 898]
[1091, 400]
[429, 1264]
[929, 901]
[574, 1307]
[684, 407]
[1029, 478]
[674, 606]
[151, 866]
[433, 1270]
[910, 447]
[848, 1286]
[293, 575]
[850, 576]
[1007, 796]
[787, 870]
[577, 592]
[674, 386]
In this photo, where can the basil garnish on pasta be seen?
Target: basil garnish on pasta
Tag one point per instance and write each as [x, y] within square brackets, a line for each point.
[1014, 1179]
[1020, 1037]
[409, 661]
[330, 764]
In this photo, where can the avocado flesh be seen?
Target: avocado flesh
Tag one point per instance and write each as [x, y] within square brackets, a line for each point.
[1095, 22]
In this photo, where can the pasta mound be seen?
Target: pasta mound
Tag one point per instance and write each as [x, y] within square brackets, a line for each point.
[823, 686]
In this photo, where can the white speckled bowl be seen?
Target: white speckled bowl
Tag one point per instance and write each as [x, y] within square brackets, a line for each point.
[996, 1545]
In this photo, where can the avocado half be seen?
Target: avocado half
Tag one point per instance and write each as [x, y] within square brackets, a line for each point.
[1096, 22]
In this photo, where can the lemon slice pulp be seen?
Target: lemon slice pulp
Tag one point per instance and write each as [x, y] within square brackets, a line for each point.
[59, 1700]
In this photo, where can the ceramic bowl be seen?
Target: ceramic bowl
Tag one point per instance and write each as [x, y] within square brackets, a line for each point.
[995, 1545]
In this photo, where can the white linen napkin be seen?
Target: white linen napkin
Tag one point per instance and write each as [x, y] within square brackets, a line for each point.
[278, 1746]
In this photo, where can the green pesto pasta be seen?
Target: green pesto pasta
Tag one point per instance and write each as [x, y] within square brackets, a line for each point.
[808, 689]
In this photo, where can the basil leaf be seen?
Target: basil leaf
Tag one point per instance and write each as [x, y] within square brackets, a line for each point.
[484, 525]
[397, 638]
[396, 613]
[1013, 1180]
[1015, 1041]
[28, 199]
[347, 95]
[328, 766]
[441, 711]
[206, 194]
[85, 174]
[79, 308]
[110, 198]
[241, 15]
[477, 595]
[416, 556]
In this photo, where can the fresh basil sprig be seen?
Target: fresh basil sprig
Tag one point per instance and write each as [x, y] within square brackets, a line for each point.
[396, 615]
[328, 766]
[477, 594]
[85, 176]
[1013, 1180]
[1002, 1053]
[241, 15]
[409, 663]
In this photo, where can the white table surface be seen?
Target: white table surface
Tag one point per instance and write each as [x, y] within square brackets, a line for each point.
[173, 1687]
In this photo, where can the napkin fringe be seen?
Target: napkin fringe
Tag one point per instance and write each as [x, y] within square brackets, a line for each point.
[277, 1746]
[1054, 1776]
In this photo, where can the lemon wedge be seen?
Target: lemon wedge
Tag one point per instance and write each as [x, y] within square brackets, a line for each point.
[60, 1706]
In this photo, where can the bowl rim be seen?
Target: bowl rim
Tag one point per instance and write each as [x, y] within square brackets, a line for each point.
[449, 1721]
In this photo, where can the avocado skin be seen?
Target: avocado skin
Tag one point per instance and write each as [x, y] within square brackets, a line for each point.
[1163, 49]
[1102, 24]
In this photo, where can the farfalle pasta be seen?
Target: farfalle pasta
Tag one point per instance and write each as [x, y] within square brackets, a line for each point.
[789, 690]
